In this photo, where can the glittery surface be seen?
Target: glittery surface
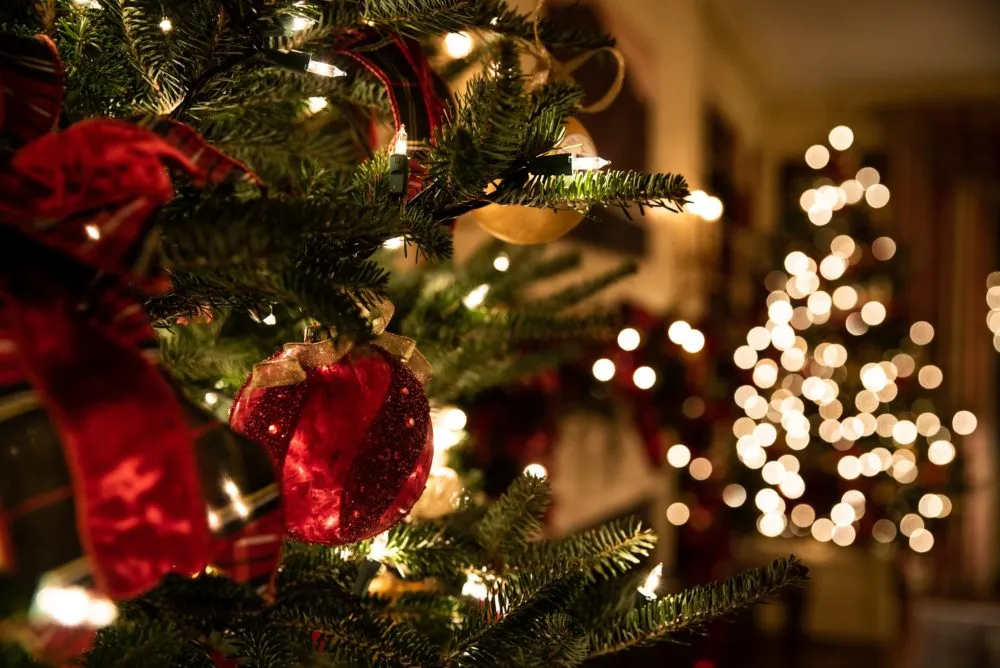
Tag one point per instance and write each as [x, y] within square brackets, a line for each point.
[353, 442]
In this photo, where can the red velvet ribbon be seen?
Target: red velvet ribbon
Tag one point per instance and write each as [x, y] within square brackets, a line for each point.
[81, 199]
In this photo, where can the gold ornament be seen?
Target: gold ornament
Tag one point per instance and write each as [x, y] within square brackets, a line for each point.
[526, 225]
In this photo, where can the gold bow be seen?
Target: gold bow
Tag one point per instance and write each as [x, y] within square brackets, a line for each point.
[290, 367]
[547, 66]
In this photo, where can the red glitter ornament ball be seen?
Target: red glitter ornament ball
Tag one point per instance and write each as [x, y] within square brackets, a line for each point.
[353, 443]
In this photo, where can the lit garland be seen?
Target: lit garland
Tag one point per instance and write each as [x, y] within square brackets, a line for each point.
[840, 392]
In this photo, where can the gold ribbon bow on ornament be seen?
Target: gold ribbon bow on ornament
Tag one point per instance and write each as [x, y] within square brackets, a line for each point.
[289, 368]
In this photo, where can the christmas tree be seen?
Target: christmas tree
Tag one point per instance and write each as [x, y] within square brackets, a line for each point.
[198, 207]
[843, 437]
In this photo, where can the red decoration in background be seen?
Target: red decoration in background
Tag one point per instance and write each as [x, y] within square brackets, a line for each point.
[353, 442]
[133, 463]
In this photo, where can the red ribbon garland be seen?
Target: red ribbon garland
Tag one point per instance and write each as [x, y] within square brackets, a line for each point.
[87, 194]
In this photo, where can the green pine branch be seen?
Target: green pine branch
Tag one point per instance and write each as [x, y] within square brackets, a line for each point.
[693, 608]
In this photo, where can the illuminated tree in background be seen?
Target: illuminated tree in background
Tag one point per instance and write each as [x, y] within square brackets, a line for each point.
[841, 438]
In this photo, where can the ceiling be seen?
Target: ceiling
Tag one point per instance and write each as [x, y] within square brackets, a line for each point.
[815, 47]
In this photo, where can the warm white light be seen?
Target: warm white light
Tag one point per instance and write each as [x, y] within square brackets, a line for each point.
[940, 452]
[773, 473]
[904, 432]
[453, 418]
[211, 398]
[734, 495]
[166, 25]
[803, 515]
[644, 377]
[921, 540]
[378, 548]
[759, 338]
[877, 196]
[849, 467]
[867, 177]
[883, 248]
[102, 612]
[604, 369]
[652, 582]
[394, 244]
[910, 523]
[474, 587]
[588, 163]
[501, 262]
[853, 191]
[678, 331]
[820, 215]
[458, 44]
[93, 231]
[822, 529]
[817, 156]
[841, 137]
[930, 377]
[745, 357]
[832, 267]
[921, 333]
[694, 341]
[536, 471]
[768, 501]
[844, 535]
[873, 313]
[322, 69]
[270, 320]
[711, 209]
[884, 531]
[930, 505]
[476, 296]
[754, 457]
[301, 23]
[678, 513]
[628, 339]
[796, 263]
[700, 468]
[67, 606]
[771, 524]
[842, 514]
[964, 422]
[845, 297]
[317, 104]
[678, 456]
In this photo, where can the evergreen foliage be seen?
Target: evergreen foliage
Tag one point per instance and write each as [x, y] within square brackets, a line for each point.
[308, 249]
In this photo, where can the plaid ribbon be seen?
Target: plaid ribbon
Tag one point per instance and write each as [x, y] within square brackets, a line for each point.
[112, 470]
[416, 93]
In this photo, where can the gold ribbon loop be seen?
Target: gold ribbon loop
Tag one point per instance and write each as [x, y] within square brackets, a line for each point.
[290, 367]
[548, 66]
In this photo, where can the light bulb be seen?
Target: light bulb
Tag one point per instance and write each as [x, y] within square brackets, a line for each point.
[628, 339]
[476, 296]
[536, 471]
[324, 69]
[394, 244]
[379, 544]
[458, 44]
[604, 370]
[501, 262]
[475, 587]
[93, 231]
[317, 104]
[400, 141]
[166, 25]
[652, 582]
[300, 23]
[586, 163]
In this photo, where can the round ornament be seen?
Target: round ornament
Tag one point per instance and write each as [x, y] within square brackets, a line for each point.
[351, 437]
[526, 225]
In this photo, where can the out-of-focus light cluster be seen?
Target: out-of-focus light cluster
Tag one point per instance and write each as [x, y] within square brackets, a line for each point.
[707, 207]
[993, 301]
[821, 202]
[72, 606]
[803, 392]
